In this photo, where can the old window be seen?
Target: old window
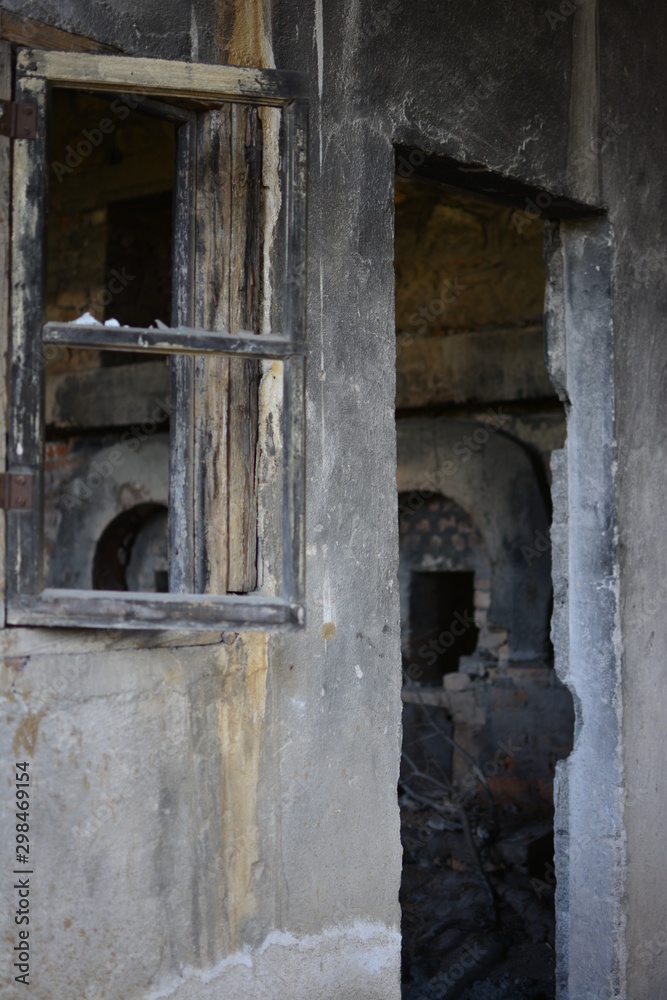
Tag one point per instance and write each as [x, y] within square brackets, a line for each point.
[182, 383]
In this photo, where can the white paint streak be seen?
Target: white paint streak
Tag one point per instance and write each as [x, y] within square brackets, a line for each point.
[371, 947]
[194, 35]
[242, 958]
[322, 368]
[319, 42]
[327, 603]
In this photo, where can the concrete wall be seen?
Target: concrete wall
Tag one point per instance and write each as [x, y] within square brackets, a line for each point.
[639, 307]
[202, 805]
[202, 813]
[589, 830]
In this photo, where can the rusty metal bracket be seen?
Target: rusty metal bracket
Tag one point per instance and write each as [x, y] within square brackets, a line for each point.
[18, 121]
[16, 490]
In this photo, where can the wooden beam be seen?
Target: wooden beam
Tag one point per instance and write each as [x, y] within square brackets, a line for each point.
[33, 34]
[245, 288]
[25, 425]
[181, 455]
[162, 77]
[294, 318]
[5, 238]
[99, 608]
[295, 188]
[169, 340]
[228, 282]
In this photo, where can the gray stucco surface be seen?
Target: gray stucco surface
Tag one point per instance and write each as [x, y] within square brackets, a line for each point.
[633, 184]
[152, 28]
[589, 829]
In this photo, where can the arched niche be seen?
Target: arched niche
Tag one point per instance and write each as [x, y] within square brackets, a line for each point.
[492, 478]
[112, 481]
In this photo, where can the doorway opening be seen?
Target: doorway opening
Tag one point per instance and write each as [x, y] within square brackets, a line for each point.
[442, 625]
[484, 717]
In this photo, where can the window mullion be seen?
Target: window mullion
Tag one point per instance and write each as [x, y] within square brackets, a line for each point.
[26, 424]
[295, 142]
[294, 325]
[181, 459]
[180, 340]
[225, 399]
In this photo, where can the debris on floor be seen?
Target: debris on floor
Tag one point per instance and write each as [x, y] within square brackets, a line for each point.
[458, 943]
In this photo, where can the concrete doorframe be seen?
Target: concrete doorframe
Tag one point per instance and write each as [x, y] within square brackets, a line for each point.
[589, 826]
[590, 841]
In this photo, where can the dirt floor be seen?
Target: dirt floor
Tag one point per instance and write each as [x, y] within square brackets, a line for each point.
[476, 928]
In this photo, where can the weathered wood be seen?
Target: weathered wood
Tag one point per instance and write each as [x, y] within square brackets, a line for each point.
[24, 534]
[217, 405]
[294, 313]
[245, 288]
[162, 77]
[166, 112]
[106, 397]
[478, 367]
[97, 608]
[5, 236]
[170, 341]
[295, 191]
[25, 31]
[242, 446]
[181, 455]
[228, 297]
[211, 377]
[270, 480]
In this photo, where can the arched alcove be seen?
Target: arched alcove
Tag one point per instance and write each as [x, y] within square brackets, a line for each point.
[111, 482]
[492, 478]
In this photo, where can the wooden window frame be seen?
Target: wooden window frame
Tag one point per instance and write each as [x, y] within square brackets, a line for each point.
[28, 602]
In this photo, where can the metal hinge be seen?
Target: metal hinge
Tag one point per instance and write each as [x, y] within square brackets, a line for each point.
[18, 121]
[16, 490]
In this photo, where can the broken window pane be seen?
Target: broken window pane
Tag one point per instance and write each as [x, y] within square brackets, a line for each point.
[111, 179]
[106, 472]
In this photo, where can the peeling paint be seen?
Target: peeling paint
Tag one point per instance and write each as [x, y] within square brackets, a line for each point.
[244, 33]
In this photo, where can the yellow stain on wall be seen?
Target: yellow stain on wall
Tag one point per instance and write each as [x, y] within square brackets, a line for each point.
[241, 712]
[26, 733]
[243, 35]
[244, 29]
